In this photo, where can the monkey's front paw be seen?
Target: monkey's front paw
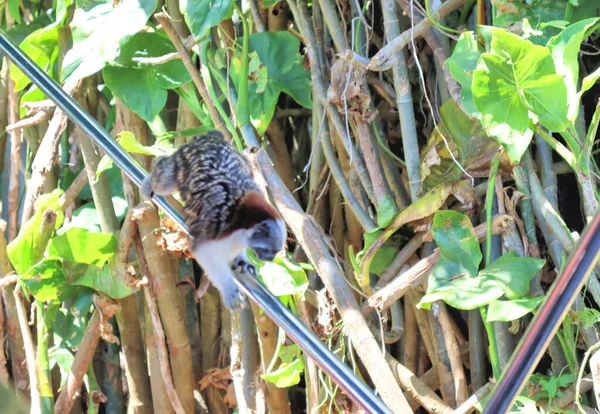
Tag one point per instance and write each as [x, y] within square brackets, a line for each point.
[234, 299]
[242, 266]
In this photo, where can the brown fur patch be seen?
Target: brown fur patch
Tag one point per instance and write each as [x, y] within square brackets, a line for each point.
[252, 209]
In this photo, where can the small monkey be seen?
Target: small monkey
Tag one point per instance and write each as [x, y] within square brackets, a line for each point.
[224, 209]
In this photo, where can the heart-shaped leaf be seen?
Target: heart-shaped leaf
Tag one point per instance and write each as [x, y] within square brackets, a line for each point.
[143, 87]
[99, 28]
[515, 78]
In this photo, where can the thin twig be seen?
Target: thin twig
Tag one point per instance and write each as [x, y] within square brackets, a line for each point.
[28, 122]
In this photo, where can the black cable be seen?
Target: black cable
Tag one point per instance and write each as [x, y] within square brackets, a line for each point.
[281, 315]
[544, 325]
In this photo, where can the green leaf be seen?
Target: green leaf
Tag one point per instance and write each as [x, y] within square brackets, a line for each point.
[115, 182]
[589, 317]
[70, 323]
[63, 358]
[288, 372]
[131, 145]
[278, 54]
[99, 28]
[454, 234]
[45, 281]
[514, 272]
[384, 255]
[137, 89]
[41, 45]
[82, 246]
[202, 15]
[514, 79]
[509, 310]
[102, 279]
[143, 87]
[270, 3]
[565, 48]
[587, 83]
[451, 283]
[283, 277]
[509, 275]
[13, 10]
[386, 211]
[461, 65]
[21, 250]
[198, 109]
[86, 216]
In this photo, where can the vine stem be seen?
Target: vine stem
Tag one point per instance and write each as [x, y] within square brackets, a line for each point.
[489, 326]
[241, 110]
[586, 357]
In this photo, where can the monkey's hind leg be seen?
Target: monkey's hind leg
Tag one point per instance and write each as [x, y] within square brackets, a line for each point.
[216, 265]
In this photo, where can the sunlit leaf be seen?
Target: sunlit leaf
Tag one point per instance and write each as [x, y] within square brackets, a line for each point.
[565, 48]
[509, 310]
[202, 15]
[143, 87]
[21, 250]
[288, 372]
[514, 272]
[455, 236]
[99, 28]
[461, 65]
[278, 53]
[83, 246]
[512, 80]
[283, 277]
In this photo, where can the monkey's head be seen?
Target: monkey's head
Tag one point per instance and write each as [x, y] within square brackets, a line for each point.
[268, 238]
[266, 229]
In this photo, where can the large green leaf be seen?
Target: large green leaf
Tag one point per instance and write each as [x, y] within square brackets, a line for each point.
[277, 54]
[515, 78]
[103, 279]
[143, 87]
[509, 275]
[454, 234]
[42, 46]
[21, 250]
[201, 15]
[510, 14]
[83, 246]
[451, 283]
[509, 310]
[71, 322]
[565, 48]
[514, 272]
[461, 65]
[87, 217]
[99, 28]
[46, 281]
